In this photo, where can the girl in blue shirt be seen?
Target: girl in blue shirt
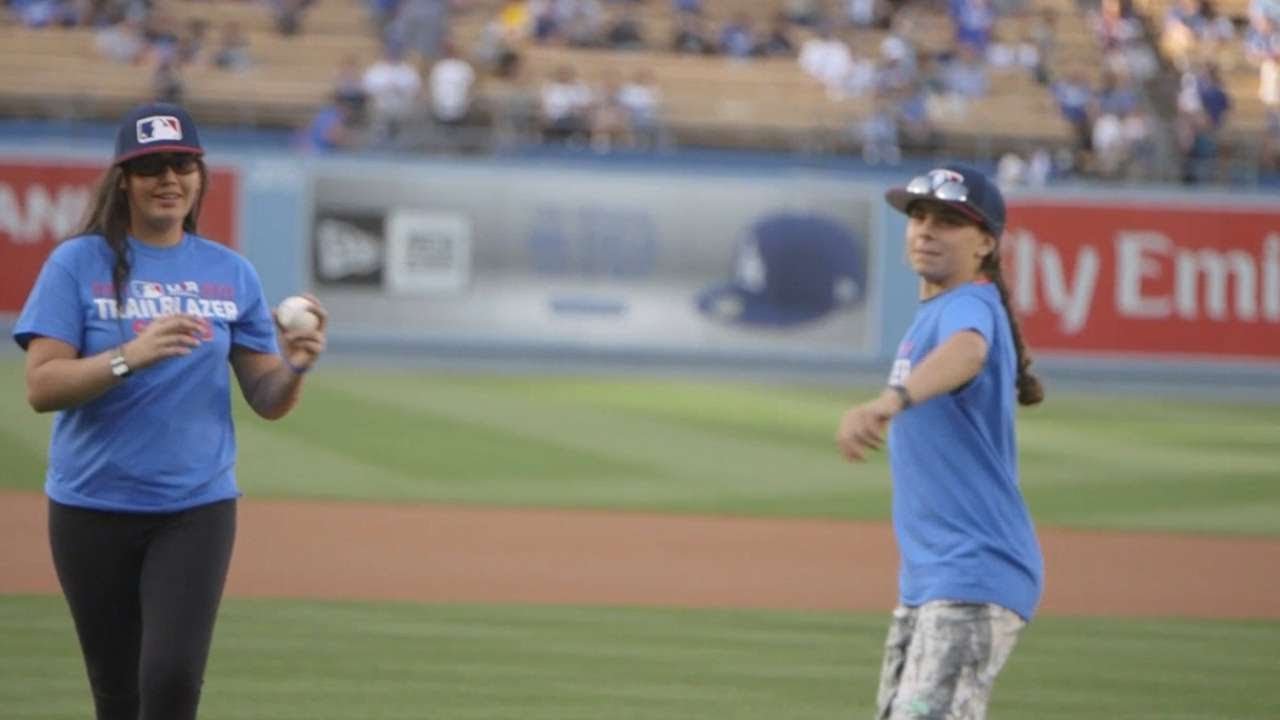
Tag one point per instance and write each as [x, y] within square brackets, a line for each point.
[972, 571]
[129, 330]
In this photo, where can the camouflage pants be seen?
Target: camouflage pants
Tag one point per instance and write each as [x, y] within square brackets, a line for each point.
[942, 658]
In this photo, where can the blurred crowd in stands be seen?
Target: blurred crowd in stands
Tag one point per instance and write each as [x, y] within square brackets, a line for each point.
[1157, 93]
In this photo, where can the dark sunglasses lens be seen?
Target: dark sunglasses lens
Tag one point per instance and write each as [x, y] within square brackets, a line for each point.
[182, 164]
[153, 165]
[148, 166]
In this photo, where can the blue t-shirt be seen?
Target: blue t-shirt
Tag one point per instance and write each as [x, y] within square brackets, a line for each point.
[963, 528]
[162, 440]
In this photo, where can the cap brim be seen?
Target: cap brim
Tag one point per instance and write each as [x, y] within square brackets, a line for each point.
[153, 149]
[901, 200]
[729, 303]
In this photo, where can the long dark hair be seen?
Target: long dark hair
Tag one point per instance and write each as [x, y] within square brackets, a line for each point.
[1030, 389]
[108, 216]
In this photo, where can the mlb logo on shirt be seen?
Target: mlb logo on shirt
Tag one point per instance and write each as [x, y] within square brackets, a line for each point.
[159, 127]
[146, 290]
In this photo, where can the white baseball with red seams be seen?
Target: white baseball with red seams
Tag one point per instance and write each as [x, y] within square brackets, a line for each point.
[295, 314]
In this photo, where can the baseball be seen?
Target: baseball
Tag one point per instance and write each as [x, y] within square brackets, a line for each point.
[295, 314]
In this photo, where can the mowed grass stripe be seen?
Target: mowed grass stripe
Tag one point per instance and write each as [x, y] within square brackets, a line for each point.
[278, 659]
[713, 447]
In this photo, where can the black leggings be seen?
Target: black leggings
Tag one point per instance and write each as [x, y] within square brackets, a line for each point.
[143, 590]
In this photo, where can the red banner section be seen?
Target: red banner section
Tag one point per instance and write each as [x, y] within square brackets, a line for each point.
[1165, 279]
[43, 203]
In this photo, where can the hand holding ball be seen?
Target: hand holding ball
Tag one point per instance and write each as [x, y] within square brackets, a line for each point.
[295, 314]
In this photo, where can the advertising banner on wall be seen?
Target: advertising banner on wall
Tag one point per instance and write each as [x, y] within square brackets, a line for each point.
[43, 202]
[652, 260]
[1148, 278]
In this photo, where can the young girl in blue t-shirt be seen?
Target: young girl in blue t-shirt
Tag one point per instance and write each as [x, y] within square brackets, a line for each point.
[972, 571]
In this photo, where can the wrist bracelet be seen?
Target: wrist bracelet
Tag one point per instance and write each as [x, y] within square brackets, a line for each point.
[903, 395]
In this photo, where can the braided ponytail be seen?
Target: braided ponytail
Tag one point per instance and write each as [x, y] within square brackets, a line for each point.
[1030, 390]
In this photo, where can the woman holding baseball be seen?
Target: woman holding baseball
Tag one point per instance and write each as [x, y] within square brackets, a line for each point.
[128, 332]
[972, 571]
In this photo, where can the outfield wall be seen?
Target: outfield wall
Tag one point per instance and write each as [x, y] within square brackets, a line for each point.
[551, 257]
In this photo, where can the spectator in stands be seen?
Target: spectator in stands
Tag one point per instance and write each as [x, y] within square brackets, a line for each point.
[1044, 35]
[44, 13]
[334, 127]
[806, 13]
[450, 86]
[1193, 29]
[880, 135]
[965, 75]
[286, 15]
[1013, 50]
[583, 22]
[123, 42]
[1115, 95]
[827, 58]
[777, 41]
[421, 26]
[232, 53]
[166, 80]
[1076, 103]
[381, 13]
[626, 31]
[691, 36]
[348, 82]
[392, 84]
[916, 133]
[866, 13]
[974, 21]
[610, 124]
[689, 7]
[1202, 105]
[565, 106]
[192, 44]
[642, 100]
[1262, 40]
[1271, 142]
[163, 34]
[1120, 34]
[737, 38]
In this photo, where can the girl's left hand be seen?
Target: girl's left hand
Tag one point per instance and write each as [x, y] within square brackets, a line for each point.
[301, 348]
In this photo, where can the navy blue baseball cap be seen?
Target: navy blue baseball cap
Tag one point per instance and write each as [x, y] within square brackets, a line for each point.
[156, 128]
[790, 269]
[957, 185]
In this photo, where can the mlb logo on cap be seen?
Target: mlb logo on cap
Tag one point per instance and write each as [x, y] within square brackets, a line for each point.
[156, 128]
[159, 127]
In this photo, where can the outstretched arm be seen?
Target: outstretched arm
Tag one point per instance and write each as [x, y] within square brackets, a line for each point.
[955, 362]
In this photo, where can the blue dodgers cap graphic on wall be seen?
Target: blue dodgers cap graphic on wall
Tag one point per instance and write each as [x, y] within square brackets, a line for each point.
[790, 269]
[156, 128]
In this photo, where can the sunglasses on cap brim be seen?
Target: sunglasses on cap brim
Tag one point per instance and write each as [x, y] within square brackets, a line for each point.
[941, 185]
[156, 164]
[947, 187]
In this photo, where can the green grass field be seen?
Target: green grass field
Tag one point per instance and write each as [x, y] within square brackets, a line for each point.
[690, 447]
[316, 661]
[709, 447]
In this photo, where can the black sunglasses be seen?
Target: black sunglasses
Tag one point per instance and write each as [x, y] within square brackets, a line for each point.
[155, 165]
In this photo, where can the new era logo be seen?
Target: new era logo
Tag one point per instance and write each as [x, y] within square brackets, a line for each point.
[159, 127]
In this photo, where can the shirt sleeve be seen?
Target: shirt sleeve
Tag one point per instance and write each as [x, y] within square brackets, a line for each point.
[254, 328]
[53, 308]
[966, 313]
